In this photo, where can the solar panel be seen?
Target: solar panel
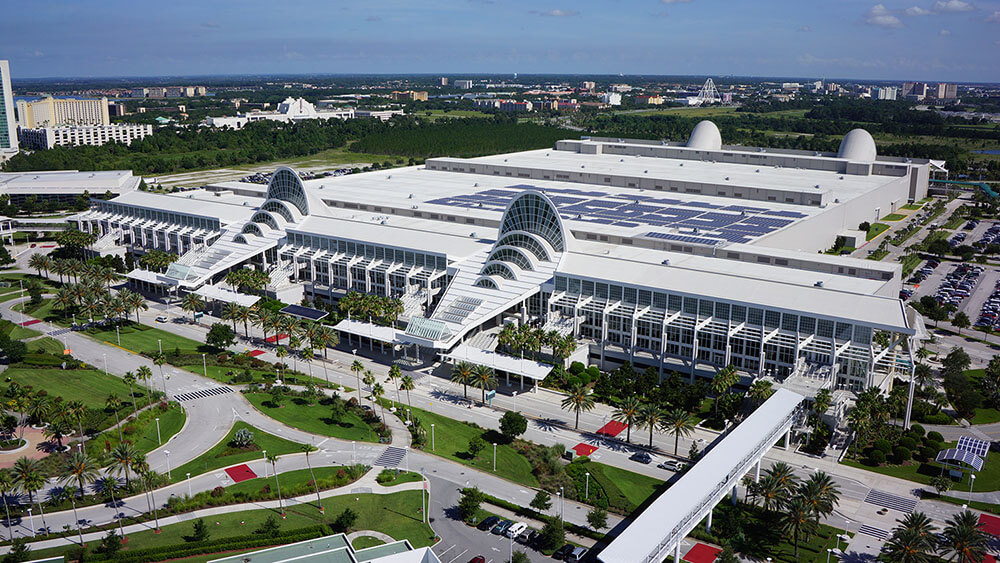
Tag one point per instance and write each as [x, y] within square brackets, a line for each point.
[955, 454]
[979, 447]
[304, 312]
[683, 238]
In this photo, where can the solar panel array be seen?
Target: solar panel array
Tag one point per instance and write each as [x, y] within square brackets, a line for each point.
[460, 308]
[979, 447]
[713, 223]
[963, 456]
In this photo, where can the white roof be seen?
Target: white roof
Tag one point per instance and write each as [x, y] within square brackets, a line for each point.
[224, 206]
[69, 181]
[227, 295]
[395, 234]
[520, 366]
[668, 512]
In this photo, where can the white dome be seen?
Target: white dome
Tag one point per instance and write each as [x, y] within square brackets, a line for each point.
[857, 146]
[705, 136]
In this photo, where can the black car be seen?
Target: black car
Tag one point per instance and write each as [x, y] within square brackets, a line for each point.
[527, 537]
[488, 523]
[563, 551]
[641, 457]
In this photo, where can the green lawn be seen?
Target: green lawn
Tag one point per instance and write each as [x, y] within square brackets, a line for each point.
[362, 542]
[144, 339]
[16, 331]
[912, 206]
[396, 514]
[876, 229]
[91, 387]
[143, 437]
[986, 480]
[221, 373]
[46, 345]
[617, 490]
[984, 415]
[636, 487]
[315, 418]
[451, 441]
[894, 217]
[221, 455]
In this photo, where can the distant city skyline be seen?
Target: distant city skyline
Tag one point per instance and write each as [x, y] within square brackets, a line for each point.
[942, 40]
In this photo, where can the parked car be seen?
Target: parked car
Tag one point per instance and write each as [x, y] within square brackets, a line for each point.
[563, 551]
[641, 457]
[161, 319]
[671, 465]
[515, 529]
[576, 555]
[500, 528]
[488, 523]
[478, 559]
[527, 537]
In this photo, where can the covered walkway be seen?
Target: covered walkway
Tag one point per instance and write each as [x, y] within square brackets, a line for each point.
[660, 528]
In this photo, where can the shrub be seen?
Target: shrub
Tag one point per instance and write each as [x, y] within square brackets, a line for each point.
[576, 368]
[935, 436]
[927, 452]
[876, 457]
[882, 445]
[937, 418]
[242, 439]
[901, 454]
[218, 491]
[907, 442]
[918, 430]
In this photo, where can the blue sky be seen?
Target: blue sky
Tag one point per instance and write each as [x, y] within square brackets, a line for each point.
[954, 40]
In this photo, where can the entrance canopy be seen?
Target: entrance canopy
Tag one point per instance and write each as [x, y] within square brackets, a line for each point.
[227, 295]
[502, 362]
[385, 334]
[307, 313]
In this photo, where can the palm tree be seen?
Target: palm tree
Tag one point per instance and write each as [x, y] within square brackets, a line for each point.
[784, 478]
[159, 360]
[920, 524]
[407, 385]
[6, 487]
[485, 378]
[922, 353]
[28, 477]
[679, 423]
[908, 546]
[922, 375]
[726, 378]
[823, 401]
[308, 449]
[38, 409]
[192, 302]
[77, 411]
[65, 300]
[357, 367]
[578, 399]
[395, 374]
[115, 404]
[377, 392]
[369, 380]
[461, 373]
[129, 379]
[281, 353]
[145, 374]
[134, 302]
[820, 493]
[38, 262]
[771, 493]
[244, 315]
[57, 430]
[651, 416]
[964, 539]
[273, 459]
[797, 519]
[628, 414]
[123, 457]
[760, 391]
[231, 312]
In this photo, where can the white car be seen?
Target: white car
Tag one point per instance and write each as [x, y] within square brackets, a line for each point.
[516, 529]
[671, 465]
[161, 319]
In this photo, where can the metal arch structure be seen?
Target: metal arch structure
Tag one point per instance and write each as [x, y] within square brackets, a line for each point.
[285, 185]
[708, 94]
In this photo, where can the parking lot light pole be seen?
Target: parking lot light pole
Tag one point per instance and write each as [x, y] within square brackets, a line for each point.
[204, 364]
[167, 453]
[264, 452]
[432, 438]
[562, 505]
[586, 494]
[495, 458]
[159, 440]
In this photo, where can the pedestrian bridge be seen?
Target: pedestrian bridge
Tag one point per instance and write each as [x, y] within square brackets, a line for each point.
[662, 526]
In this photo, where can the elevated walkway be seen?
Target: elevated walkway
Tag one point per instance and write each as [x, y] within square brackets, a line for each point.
[661, 527]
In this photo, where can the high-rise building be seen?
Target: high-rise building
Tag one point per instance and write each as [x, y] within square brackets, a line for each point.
[914, 90]
[51, 112]
[443, 81]
[463, 84]
[946, 91]
[8, 129]
[48, 137]
[611, 98]
[140, 92]
[588, 85]
[886, 93]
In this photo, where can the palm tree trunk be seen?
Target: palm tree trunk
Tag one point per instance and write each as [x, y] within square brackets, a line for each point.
[319, 502]
[577, 425]
[135, 409]
[42, 512]
[281, 508]
[118, 425]
[677, 440]
[10, 534]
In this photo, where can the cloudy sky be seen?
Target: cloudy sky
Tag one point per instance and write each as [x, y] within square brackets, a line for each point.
[953, 40]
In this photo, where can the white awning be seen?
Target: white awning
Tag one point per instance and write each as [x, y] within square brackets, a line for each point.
[501, 362]
[227, 295]
[150, 277]
[375, 332]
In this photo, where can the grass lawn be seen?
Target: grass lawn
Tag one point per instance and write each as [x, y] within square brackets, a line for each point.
[221, 455]
[91, 387]
[396, 514]
[47, 345]
[636, 487]
[894, 217]
[910, 263]
[144, 436]
[912, 206]
[451, 441]
[17, 332]
[398, 477]
[876, 229]
[986, 480]
[222, 374]
[618, 490]
[984, 415]
[361, 542]
[315, 418]
[144, 339]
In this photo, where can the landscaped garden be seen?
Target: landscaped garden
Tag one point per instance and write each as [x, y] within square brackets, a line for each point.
[319, 414]
[237, 447]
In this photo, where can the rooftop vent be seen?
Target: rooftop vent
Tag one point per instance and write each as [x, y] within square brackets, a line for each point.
[727, 178]
[819, 283]
[666, 262]
[389, 177]
[472, 234]
[411, 196]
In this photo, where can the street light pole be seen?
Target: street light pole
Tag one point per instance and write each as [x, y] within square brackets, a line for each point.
[31, 521]
[204, 364]
[586, 494]
[972, 481]
[167, 453]
[105, 364]
[562, 505]
[432, 438]
[159, 343]
[354, 446]
[159, 440]
[189, 484]
[265, 462]
[494, 457]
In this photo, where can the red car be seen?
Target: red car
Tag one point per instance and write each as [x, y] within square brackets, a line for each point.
[478, 559]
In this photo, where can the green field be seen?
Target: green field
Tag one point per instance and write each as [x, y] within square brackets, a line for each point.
[986, 480]
[222, 455]
[912, 206]
[16, 332]
[144, 339]
[315, 418]
[876, 229]
[144, 436]
[91, 387]
[396, 514]
[451, 441]
[894, 217]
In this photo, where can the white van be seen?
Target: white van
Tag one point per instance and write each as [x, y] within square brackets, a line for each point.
[516, 529]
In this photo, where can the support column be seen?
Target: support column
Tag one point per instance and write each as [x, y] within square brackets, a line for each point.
[756, 472]
[734, 496]
[708, 524]
[677, 552]
[788, 438]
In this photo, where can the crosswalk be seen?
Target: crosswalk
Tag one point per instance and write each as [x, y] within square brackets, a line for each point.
[877, 533]
[201, 394]
[59, 332]
[891, 501]
[391, 457]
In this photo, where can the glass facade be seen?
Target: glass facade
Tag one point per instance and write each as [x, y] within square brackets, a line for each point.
[532, 213]
[285, 185]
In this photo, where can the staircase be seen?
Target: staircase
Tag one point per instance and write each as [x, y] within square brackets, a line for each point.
[279, 275]
[107, 240]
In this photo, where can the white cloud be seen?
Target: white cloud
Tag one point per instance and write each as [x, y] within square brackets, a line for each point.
[557, 13]
[995, 18]
[944, 32]
[953, 6]
[879, 15]
[917, 11]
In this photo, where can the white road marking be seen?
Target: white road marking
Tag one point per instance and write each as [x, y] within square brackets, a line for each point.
[447, 550]
[457, 556]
